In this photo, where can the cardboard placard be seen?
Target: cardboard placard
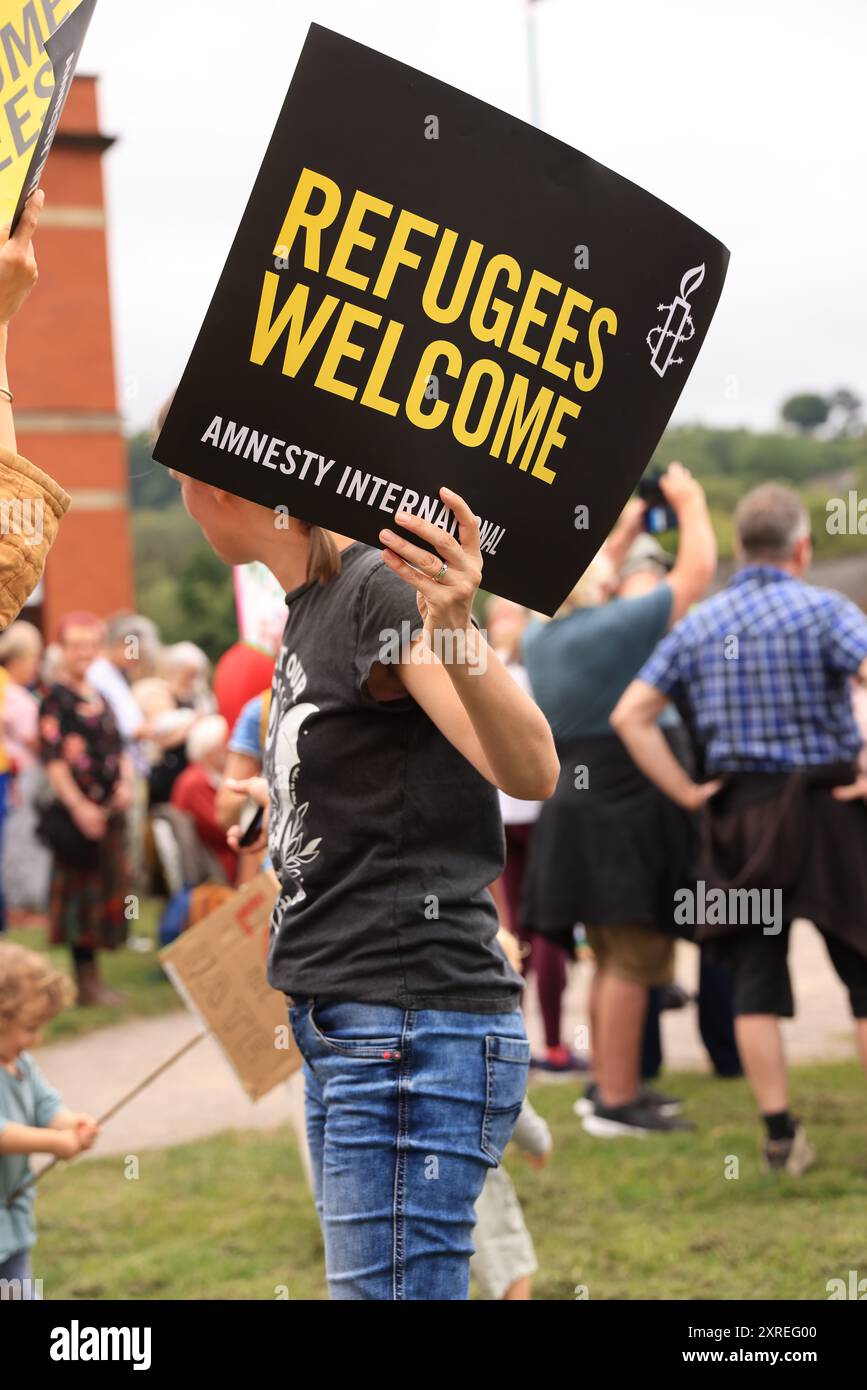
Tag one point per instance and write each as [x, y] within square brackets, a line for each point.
[424, 291]
[40, 44]
[218, 968]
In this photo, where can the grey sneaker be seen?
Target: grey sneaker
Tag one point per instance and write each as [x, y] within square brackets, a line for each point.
[637, 1119]
[793, 1155]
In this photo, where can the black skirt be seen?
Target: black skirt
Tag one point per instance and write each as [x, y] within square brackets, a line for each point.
[785, 832]
[612, 851]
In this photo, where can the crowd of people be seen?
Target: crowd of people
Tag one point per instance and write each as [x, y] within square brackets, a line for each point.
[708, 747]
[112, 750]
[649, 763]
[717, 739]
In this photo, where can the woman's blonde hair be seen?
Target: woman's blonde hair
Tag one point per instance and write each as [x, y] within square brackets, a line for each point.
[323, 559]
[26, 976]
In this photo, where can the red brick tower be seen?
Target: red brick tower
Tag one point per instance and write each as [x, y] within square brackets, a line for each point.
[61, 369]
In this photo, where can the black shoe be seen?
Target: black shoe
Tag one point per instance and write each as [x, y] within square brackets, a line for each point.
[636, 1118]
[667, 1105]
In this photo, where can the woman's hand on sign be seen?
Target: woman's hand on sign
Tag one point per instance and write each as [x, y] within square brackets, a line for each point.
[445, 603]
[18, 272]
[257, 789]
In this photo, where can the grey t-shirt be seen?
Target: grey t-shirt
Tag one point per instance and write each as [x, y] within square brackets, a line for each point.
[383, 836]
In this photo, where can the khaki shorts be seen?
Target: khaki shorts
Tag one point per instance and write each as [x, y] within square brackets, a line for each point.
[504, 1251]
[638, 954]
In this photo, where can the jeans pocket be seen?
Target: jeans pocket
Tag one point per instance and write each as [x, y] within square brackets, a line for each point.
[356, 1030]
[507, 1065]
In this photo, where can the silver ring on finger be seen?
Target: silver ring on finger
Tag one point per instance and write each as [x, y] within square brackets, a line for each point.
[438, 578]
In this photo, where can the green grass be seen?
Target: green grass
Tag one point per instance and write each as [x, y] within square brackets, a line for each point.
[231, 1217]
[137, 974]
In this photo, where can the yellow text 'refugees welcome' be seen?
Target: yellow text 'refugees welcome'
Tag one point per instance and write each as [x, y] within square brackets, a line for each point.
[532, 318]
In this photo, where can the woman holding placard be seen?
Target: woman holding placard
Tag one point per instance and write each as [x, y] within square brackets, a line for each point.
[392, 724]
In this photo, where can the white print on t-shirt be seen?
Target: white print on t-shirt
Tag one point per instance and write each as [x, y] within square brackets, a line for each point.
[286, 844]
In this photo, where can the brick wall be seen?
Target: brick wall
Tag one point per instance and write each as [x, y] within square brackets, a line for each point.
[61, 369]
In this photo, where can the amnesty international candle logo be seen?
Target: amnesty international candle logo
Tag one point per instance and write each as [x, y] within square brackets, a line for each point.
[678, 327]
[403, 308]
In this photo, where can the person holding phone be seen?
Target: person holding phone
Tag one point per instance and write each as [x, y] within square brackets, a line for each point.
[382, 764]
[609, 850]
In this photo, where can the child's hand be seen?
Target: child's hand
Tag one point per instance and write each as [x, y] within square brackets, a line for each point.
[67, 1143]
[87, 1130]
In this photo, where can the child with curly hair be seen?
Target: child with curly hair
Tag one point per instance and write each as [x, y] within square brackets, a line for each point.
[33, 1118]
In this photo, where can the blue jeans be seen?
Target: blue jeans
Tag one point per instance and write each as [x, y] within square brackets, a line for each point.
[406, 1111]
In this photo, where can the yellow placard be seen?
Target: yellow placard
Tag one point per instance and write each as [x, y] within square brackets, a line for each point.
[26, 87]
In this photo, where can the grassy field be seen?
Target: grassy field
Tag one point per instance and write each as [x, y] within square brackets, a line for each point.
[232, 1217]
[137, 974]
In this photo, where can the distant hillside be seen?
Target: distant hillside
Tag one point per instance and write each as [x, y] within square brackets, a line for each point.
[188, 592]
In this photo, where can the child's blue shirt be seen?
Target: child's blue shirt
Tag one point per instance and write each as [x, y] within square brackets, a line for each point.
[25, 1099]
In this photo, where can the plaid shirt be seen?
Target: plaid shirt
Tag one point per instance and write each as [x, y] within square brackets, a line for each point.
[765, 668]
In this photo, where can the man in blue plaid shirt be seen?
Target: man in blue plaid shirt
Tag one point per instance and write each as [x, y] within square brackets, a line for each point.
[764, 673]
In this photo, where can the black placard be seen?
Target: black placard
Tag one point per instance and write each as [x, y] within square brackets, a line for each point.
[424, 291]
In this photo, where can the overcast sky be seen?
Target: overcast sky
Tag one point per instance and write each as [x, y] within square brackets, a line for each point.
[746, 115]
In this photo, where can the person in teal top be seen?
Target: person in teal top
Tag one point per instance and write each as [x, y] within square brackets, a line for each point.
[33, 1118]
[609, 850]
[580, 665]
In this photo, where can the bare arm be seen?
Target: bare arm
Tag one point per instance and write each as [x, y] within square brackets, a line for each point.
[7, 423]
[454, 675]
[90, 818]
[18, 275]
[229, 802]
[695, 565]
[64, 1119]
[627, 530]
[64, 786]
[635, 722]
[30, 1139]
[485, 714]
[851, 791]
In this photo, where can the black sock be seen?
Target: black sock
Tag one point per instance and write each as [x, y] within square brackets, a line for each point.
[780, 1126]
